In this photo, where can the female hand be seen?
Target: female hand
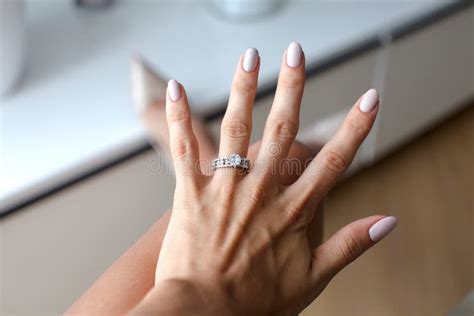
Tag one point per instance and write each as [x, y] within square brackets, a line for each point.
[237, 242]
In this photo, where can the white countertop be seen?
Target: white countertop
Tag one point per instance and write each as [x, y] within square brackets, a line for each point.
[72, 111]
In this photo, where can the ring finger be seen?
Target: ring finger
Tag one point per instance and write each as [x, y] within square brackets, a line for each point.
[237, 123]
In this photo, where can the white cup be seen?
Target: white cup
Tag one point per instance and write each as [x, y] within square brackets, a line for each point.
[246, 8]
[12, 43]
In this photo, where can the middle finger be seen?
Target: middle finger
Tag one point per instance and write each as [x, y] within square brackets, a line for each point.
[283, 121]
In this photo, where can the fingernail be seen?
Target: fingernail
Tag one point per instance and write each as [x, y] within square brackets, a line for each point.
[174, 90]
[382, 228]
[294, 55]
[250, 59]
[369, 101]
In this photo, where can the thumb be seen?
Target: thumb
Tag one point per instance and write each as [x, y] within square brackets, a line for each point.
[349, 243]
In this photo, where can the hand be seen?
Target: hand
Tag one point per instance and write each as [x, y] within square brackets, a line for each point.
[241, 239]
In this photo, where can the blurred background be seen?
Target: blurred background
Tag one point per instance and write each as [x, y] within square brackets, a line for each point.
[79, 181]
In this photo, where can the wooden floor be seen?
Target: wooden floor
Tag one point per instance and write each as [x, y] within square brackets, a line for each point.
[426, 266]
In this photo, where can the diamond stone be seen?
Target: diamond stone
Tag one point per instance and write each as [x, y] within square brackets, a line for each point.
[235, 159]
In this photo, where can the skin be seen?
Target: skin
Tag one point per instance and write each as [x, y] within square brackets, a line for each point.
[242, 239]
[124, 284]
[278, 224]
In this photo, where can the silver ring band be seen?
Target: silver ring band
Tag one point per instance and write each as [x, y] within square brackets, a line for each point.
[233, 161]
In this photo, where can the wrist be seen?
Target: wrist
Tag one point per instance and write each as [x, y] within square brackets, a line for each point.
[184, 297]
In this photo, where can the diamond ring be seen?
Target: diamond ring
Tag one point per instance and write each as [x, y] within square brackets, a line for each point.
[233, 161]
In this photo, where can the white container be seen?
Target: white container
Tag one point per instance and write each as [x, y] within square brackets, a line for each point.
[12, 43]
[247, 8]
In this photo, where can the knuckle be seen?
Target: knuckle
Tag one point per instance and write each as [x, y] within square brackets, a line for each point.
[292, 83]
[182, 147]
[236, 129]
[350, 248]
[335, 162]
[178, 116]
[243, 86]
[284, 129]
[357, 128]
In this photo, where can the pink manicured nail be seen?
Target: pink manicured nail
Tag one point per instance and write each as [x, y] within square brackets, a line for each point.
[174, 90]
[294, 55]
[382, 228]
[369, 101]
[250, 59]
